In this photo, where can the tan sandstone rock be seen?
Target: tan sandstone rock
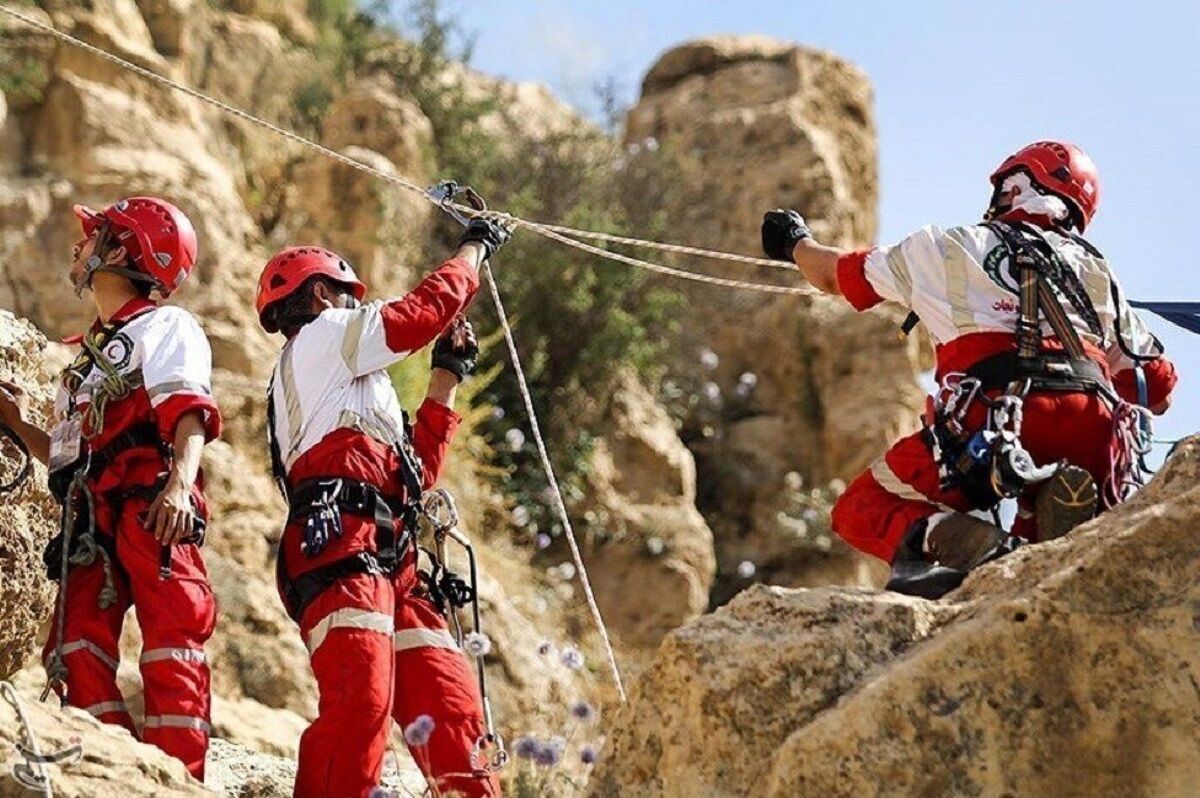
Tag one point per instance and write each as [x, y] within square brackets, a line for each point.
[770, 124]
[29, 515]
[654, 568]
[1066, 669]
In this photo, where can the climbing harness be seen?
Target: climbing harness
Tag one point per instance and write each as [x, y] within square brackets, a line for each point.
[990, 464]
[451, 594]
[32, 774]
[319, 504]
[26, 462]
[443, 194]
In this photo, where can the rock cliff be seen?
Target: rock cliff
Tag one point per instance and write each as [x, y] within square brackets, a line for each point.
[1069, 669]
[796, 387]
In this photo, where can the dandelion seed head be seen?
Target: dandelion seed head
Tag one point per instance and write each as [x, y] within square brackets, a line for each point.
[542, 541]
[520, 515]
[655, 545]
[712, 392]
[547, 754]
[582, 710]
[477, 644]
[709, 359]
[650, 144]
[572, 658]
[419, 731]
[525, 747]
[515, 439]
[746, 569]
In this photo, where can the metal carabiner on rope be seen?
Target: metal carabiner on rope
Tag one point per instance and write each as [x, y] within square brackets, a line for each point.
[441, 511]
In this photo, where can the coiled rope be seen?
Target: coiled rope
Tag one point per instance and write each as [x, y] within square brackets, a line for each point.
[563, 235]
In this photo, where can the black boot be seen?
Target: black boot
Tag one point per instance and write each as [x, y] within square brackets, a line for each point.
[913, 575]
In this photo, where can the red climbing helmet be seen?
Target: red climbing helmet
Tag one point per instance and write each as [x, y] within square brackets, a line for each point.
[160, 239]
[1062, 169]
[289, 270]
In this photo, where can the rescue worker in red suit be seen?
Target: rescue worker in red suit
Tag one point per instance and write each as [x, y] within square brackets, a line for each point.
[379, 647]
[963, 286]
[138, 398]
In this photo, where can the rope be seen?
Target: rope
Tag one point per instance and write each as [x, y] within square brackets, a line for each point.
[557, 233]
[560, 505]
[32, 774]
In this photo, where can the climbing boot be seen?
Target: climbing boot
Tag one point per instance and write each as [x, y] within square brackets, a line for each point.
[1068, 499]
[913, 575]
[962, 541]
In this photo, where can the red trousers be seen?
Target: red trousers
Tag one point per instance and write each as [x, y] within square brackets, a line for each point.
[380, 651]
[176, 617]
[902, 487]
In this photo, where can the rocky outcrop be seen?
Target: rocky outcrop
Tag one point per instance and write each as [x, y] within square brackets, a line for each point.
[1068, 668]
[654, 568]
[28, 515]
[792, 386]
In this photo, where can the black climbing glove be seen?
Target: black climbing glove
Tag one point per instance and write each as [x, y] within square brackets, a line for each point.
[780, 231]
[488, 229]
[457, 350]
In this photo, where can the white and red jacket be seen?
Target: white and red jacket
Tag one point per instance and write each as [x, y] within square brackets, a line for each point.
[335, 408]
[958, 281]
[164, 353]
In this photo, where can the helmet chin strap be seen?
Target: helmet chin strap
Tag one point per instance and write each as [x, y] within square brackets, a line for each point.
[95, 263]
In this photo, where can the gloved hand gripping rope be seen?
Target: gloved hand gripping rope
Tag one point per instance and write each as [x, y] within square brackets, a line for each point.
[483, 223]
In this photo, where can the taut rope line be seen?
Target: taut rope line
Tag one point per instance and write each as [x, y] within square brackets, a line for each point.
[563, 235]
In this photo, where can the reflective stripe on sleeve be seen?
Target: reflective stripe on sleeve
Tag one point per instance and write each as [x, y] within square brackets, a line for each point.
[179, 386]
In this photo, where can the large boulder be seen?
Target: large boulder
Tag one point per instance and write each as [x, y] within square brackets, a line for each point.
[793, 385]
[1067, 669]
[28, 515]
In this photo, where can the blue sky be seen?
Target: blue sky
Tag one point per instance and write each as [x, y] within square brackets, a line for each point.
[957, 87]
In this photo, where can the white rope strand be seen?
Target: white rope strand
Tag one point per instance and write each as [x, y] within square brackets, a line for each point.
[554, 232]
[560, 505]
[39, 777]
[709, 279]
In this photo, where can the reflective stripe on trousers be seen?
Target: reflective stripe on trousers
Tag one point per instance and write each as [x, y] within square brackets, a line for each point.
[177, 722]
[348, 618]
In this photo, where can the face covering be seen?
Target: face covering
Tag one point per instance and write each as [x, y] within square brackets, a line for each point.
[1028, 200]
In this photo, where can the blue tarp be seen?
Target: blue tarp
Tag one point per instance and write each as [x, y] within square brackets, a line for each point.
[1184, 314]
